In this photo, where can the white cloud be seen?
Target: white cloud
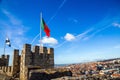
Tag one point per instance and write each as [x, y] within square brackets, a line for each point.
[69, 37]
[49, 41]
[116, 25]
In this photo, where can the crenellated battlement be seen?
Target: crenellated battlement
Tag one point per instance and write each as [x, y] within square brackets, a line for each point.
[39, 56]
[6, 70]
[37, 49]
[4, 56]
[4, 60]
[50, 50]
[31, 56]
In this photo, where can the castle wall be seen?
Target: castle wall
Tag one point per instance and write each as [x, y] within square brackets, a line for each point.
[39, 56]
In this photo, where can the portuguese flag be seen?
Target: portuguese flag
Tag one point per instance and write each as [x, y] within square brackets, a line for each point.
[45, 28]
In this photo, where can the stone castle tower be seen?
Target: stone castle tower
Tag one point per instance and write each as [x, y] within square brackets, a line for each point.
[38, 57]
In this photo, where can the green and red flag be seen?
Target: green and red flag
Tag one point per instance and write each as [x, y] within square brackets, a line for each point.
[45, 28]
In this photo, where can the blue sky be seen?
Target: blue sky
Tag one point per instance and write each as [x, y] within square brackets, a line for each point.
[81, 30]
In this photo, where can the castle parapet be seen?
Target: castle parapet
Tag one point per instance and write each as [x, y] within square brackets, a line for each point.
[27, 48]
[9, 69]
[35, 49]
[7, 56]
[3, 56]
[43, 49]
[16, 51]
[3, 68]
[50, 50]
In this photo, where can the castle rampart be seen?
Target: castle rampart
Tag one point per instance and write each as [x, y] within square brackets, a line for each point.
[37, 56]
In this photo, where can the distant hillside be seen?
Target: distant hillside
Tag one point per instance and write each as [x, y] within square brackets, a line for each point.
[108, 60]
[59, 65]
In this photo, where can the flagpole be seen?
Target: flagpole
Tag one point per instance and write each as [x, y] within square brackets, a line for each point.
[5, 44]
[40, 29]
[4, 47]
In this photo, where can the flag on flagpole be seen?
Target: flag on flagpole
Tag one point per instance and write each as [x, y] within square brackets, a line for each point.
[45, 28]
[7, 41]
